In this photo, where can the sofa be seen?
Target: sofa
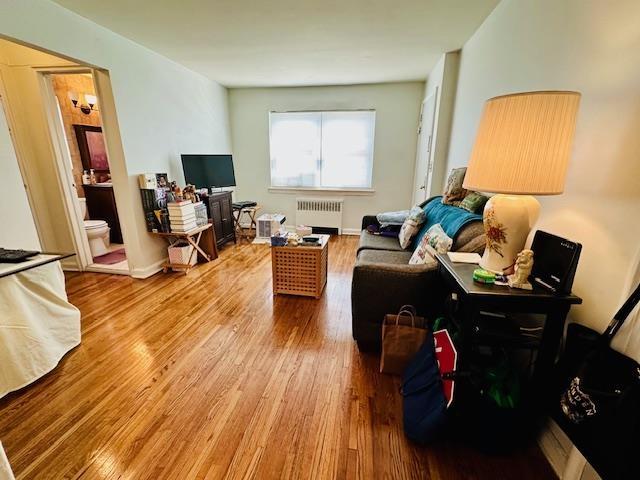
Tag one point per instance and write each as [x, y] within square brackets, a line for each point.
[383, 280]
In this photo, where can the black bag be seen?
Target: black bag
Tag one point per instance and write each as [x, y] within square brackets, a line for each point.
[423, 405]
[599, 408]
[605, 376]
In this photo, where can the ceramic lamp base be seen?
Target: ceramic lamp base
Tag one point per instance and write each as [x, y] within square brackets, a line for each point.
[508, 219]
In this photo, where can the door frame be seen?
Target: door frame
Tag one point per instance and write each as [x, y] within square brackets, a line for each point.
[428, 144]
[63, 163]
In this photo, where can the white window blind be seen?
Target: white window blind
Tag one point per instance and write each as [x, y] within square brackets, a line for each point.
[322, 149]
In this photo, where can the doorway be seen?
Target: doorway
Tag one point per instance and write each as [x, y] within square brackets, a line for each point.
[55, 118]
[79, 126]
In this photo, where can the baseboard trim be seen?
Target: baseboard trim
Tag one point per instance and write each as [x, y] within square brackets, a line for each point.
[146, 272]
[560, 452]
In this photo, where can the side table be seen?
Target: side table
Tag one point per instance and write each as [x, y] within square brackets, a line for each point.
[203, 241]
[474, 298]
[300, 270]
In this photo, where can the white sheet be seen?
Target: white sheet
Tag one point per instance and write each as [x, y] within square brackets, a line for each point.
[37, 325]
[5, 468]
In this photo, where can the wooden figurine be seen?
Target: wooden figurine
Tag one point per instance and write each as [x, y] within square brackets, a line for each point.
[522, 270]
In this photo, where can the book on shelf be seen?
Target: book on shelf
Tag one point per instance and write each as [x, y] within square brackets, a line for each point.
[183, 230]
[180, 206]
[182, 216]
[181, 203]
[184, 226]
[181, 221]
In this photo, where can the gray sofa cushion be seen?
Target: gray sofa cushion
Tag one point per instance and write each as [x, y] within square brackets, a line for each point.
[378, 242]
[392, 261]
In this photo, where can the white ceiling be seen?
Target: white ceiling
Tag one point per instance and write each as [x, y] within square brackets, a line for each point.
[242, 43]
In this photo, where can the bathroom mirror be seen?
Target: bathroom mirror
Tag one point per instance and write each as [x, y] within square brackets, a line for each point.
[93, 151]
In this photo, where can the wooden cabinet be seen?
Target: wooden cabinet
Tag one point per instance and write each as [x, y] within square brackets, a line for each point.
[220, 210]
[101, 205]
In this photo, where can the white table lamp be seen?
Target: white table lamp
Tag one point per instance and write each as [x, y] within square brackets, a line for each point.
[522, 148]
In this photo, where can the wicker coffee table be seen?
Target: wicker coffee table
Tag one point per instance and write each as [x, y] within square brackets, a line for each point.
[300, 270]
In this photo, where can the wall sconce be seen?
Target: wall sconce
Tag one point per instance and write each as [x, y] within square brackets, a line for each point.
[86, 107]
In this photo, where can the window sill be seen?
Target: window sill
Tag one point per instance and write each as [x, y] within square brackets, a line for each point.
[345, 191]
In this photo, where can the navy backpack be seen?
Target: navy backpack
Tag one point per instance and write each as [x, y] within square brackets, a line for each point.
[424, 405]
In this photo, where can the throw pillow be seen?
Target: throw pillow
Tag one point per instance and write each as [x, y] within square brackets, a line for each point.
[454, 192]
[474, 202]
[411, 226]
[434, 241]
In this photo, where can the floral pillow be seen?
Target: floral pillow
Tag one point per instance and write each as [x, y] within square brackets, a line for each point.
[434, 241]
[474, 202]
[454, 193]
[411, 226]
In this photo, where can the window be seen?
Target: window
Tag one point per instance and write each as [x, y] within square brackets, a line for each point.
[322, 149]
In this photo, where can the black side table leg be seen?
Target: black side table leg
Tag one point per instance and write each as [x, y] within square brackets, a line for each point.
[549, 346]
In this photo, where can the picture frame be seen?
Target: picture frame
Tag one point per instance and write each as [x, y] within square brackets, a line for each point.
[92, 148]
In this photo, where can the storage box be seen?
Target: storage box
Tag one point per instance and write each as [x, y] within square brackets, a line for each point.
[201, 214]
[303, 230]
[180, 252]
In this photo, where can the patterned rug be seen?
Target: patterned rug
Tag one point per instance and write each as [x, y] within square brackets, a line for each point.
[110, 258]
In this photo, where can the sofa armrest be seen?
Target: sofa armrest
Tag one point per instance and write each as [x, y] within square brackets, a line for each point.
[370, 220]
[378, 289]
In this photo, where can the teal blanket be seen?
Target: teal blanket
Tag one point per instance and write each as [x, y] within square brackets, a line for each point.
[451, 218]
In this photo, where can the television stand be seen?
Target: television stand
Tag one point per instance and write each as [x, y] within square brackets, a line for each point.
[220, 212]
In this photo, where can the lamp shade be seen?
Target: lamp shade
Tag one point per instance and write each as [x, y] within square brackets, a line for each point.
[523, 144]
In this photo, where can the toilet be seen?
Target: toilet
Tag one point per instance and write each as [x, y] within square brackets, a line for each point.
[97, 232]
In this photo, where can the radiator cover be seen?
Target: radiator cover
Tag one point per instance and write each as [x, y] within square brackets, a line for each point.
[320, 212]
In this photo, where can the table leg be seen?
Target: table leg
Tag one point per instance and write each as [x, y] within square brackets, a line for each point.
[254, 225]
[196, 246]
[236, 223]
[549, 345]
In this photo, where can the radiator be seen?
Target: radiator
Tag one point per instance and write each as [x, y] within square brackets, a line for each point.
[320, 212]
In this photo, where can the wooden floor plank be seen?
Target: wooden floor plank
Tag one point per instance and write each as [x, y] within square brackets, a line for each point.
[209, 376]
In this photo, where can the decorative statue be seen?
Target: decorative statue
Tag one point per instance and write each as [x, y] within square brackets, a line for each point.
[523, 266]
[189, 193]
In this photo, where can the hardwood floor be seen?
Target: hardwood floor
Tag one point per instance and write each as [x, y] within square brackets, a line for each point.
[209, 376]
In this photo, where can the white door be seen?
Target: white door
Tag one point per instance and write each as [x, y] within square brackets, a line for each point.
[424, 155]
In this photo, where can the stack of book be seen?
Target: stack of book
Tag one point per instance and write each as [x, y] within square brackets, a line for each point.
[182, 216]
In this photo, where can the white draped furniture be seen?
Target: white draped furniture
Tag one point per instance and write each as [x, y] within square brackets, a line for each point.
[37, 323]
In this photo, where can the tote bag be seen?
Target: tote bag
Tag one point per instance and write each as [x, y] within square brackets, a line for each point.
[402, 336]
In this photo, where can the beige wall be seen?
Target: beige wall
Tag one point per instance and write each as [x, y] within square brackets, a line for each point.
[594, 48]
[163, 109]
[77, 83]
[397, 108]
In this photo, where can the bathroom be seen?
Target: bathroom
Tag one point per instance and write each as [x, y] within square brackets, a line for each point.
[79, 111]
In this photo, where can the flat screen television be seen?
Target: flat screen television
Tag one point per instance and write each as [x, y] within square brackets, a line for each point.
[206, 171]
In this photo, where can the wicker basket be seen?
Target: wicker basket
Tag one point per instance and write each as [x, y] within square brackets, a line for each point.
[180, 253]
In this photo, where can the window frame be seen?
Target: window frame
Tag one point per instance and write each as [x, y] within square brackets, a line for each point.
[347, 190]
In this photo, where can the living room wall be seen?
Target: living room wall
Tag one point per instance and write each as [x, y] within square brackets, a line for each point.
[163, 109]
[397, 108]
[591, 47]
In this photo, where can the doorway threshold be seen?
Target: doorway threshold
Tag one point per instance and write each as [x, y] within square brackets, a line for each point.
[121, 268]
